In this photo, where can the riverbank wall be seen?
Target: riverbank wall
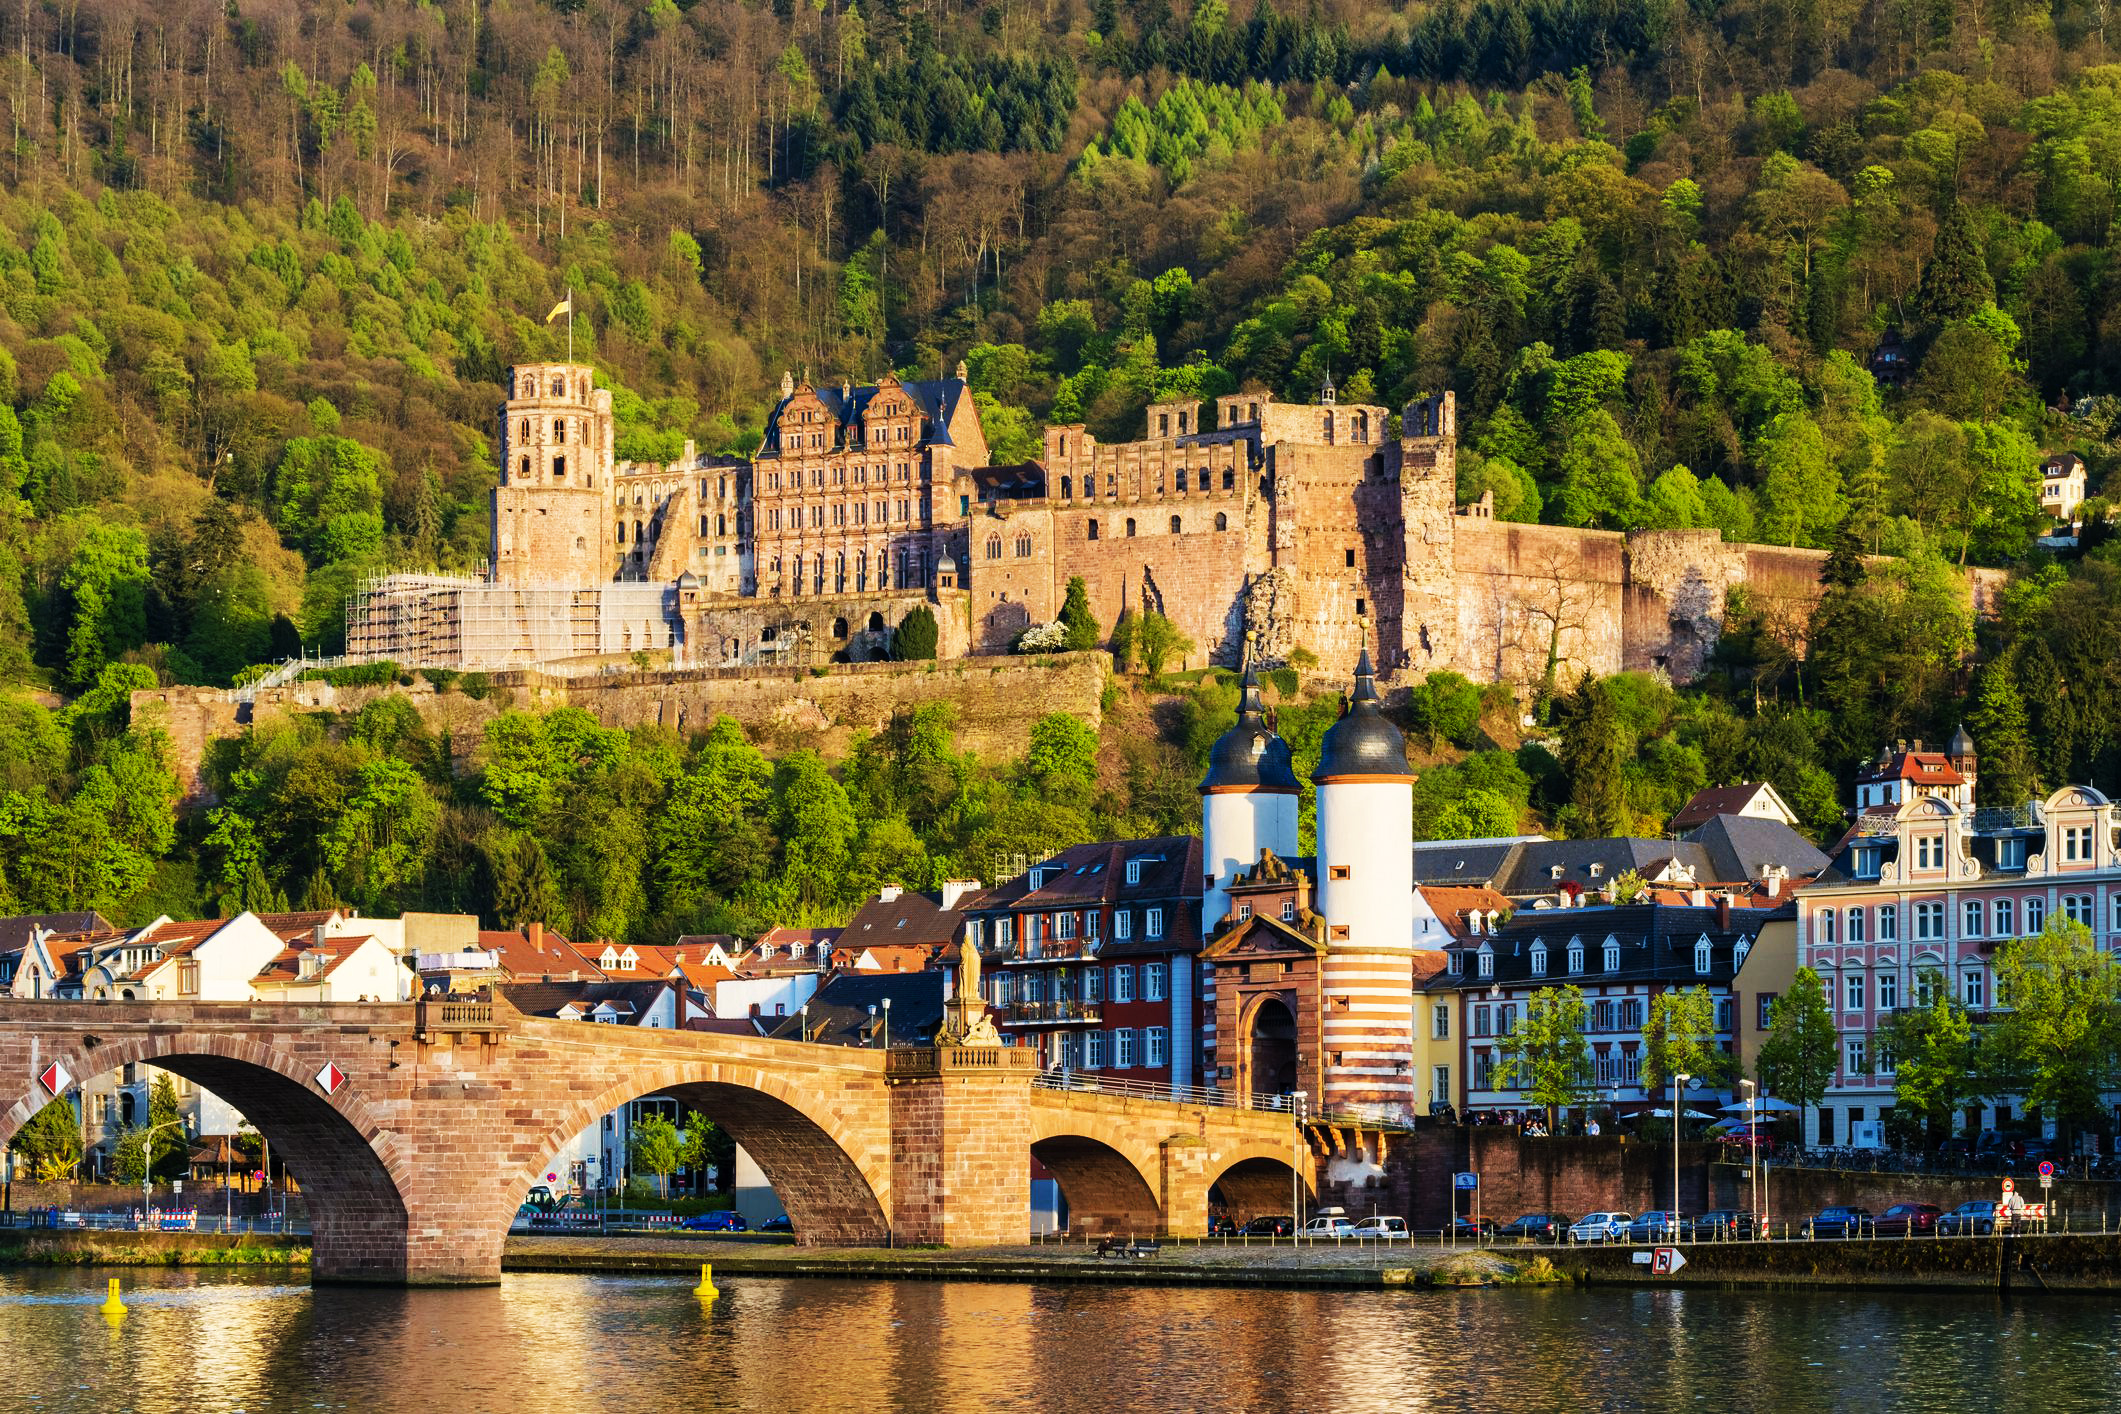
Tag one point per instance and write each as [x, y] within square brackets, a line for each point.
[2022, 1264]
[88, 1247]
[1798, 1193]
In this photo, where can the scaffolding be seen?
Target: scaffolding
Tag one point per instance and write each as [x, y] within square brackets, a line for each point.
[471, 624]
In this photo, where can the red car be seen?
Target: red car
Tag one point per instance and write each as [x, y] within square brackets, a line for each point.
[1908, 1220]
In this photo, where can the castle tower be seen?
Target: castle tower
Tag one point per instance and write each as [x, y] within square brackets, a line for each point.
[1963, 759]
[553, 521]
[1248, 801]
[1366, 896]
[1428, 504]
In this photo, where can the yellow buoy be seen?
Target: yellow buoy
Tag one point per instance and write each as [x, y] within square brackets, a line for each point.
[706, 1287]
[112, 1306]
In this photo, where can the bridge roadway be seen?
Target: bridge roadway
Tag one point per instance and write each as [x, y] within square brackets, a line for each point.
[416, 1129]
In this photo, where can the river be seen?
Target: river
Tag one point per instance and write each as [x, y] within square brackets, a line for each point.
[223, 1341]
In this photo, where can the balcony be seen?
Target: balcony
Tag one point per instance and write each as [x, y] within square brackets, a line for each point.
[1066, 1013]
[1054, 950]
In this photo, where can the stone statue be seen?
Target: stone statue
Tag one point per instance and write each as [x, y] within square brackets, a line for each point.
[965, 1019]
[968, 966]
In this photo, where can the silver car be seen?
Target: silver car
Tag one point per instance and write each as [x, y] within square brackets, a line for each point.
[1601, 1227]
[1384, 1229]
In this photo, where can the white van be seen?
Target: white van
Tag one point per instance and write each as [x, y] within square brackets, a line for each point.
[1330, 1222]
[1385, 1229]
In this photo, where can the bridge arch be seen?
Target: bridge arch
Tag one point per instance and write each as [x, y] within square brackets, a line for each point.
[352, 1174]
[834, 1182]
[1256, 1180]
[1109, 1184]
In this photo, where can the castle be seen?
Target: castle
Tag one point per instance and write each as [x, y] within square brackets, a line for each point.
[1294, 522]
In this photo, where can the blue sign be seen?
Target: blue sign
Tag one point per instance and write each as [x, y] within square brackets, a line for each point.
[2047, 1170]
[1465, 1180]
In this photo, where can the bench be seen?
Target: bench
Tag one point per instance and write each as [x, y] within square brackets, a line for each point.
[1126, 1247]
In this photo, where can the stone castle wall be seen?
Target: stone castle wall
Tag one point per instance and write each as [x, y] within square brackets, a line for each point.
[996, 703]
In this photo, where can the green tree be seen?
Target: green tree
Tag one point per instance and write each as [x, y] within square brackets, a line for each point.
[1445, 707]
[2009, 774]
[1679, 1038]
[917, 635]
[1802, 1051]
[50, 1141]
[171, 1143]
[1546, 1056]
[524, 889]
[1158, 641]
[2059, 1041]
[1930, 1050]
[1076, 617]
[1593, 750]
[653, 1147]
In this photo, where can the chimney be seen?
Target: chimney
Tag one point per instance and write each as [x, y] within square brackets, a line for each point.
[889, 893]
[955, 890]
[1771, 880]
[1723, 911]
[537, 937]
[1698, 896]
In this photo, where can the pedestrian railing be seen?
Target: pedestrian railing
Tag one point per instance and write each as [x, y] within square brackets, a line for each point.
[1093, 1083]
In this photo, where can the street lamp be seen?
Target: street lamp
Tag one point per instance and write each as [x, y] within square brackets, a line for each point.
[1677, 1081]
[872, 1023]
[1296, 1171]
[887, 1023]
[1752, 1154]
[804, 1013]
[147, 1162]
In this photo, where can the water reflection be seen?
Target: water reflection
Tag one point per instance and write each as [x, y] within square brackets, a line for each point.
[214, 1342]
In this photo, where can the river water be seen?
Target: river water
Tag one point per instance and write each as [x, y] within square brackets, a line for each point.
[197, 1341]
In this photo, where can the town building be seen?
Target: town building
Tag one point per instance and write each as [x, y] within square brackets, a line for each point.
[1754, 800]
[1907, 772]
[1620, 956]
[1920, 893]
[1092, 956]
[2063, 484]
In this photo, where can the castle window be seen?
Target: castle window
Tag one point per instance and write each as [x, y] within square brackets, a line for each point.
[1067, 488]
[994, 547]
[637, 532]
[1130, 527]
[703, 525]
[876, 623]
[1023, 547]
[1229, 478]
[559, 468]
[1163, 424]
[622, 532]
[1351, 559]
[1111, 484]
[1362, 427]
[1222, 521]
[524, 468]
[526, 387]
[1176, 525]
[1360, 609]
[1093, 530]
[839, 628]
[721, 525]
[1255, 412]
[559, 387]
[523, 432]
[559, 429]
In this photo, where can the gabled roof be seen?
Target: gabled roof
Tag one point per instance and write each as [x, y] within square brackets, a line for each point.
[287, 926]
[633, 999]
[1922, 768]
[1742, 847]
[1725, 800]
[551, 955]
[1262, 935]
[1478, 863]
[839, 1010]
[1452, 904]
[1656, 940]
[1097, 873]
[936, 398]
[908, 920]
[15, 932]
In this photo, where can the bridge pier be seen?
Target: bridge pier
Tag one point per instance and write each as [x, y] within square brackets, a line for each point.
[960, 1163]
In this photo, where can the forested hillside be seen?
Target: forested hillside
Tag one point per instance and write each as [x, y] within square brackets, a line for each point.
[262, 263]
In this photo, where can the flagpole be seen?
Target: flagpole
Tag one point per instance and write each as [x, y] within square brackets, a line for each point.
[570, 324]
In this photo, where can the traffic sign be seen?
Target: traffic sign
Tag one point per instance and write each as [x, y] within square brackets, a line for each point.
[2047, 1169]
[2009, 1187]
[1464, 1181]
[55, 1078]
[1667, 1261]
[330, 1078]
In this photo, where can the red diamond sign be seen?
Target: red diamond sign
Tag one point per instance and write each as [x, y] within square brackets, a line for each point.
[330, 1078]
[56, 1078]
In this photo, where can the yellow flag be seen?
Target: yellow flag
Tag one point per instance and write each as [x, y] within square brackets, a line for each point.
[565, 306]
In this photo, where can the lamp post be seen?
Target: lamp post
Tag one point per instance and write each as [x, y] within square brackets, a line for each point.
[803, 1012]
[1296, 1171]
[1752, 1153]
[1677, 1081]
[887, 1023]
[872, 1024]
[147, 1162]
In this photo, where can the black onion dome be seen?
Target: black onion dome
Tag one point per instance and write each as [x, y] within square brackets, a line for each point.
[1250, 756]
[1362, 743]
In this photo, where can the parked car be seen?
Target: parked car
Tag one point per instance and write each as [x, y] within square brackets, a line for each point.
[1471, 1229]
[1977, 1218]
[1954, 1151]
[1843, 1221]
[1601, 1227]
[1220, 1225]
[726, 1221]
[1278, 1225]
[1383, 1229]
[1329, 1225]
[1657, 1225]
[1723, 1225]
[1908, 1220]
[777, 1224]
[1536, 1227]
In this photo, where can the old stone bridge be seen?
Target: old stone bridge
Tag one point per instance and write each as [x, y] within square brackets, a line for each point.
[416, 1129]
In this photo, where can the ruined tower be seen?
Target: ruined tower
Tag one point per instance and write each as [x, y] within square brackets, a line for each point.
[552, 513]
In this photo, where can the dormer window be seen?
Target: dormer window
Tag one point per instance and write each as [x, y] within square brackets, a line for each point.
[1612, 954]
[1487, 963]
[1134, 871]
[1539, 959]
[1929, 851]
[1865, 863]
[1554, 871]
[1575, 955]
[1738, 953]
[1457, 964]
[1597, 870]
[1703, 955]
